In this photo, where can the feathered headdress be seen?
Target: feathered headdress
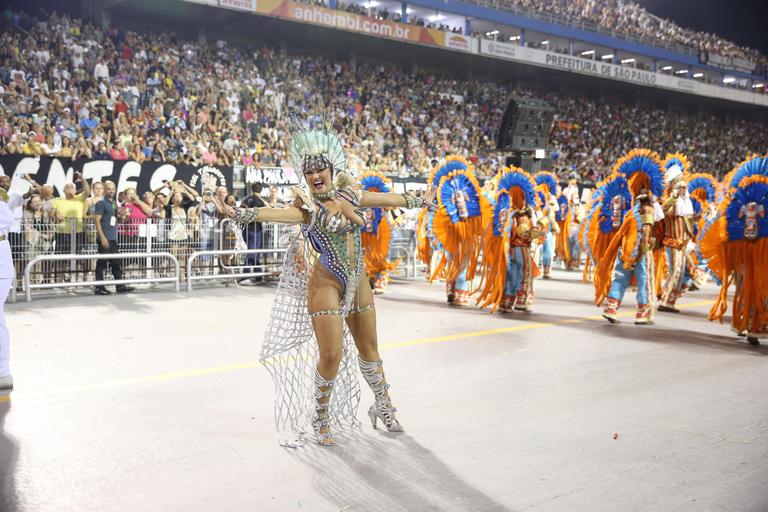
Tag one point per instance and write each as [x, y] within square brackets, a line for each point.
[677, 160]
[702, 187]
[373, 181]
[755, 165]
[316, 145]
[450, 164]
[643, 170]
[547, 178]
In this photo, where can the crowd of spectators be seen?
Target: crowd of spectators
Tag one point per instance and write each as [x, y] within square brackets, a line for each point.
[627, 17]
[396, 16]
[69, 89]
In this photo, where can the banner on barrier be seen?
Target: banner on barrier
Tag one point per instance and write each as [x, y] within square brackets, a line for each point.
[239, 5]
[125, 173]
[334, 18]
[279, 176]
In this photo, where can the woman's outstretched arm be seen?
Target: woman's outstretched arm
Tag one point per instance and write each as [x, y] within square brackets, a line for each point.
[392, 200]
[290, 215]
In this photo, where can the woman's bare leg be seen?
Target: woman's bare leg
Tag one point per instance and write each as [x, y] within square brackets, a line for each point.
[362, 326]
[324, 303]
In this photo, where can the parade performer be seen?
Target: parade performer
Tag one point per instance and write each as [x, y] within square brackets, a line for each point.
[546, 185]
[322, 303]
[577, 212]
[508, 268]
[377, 233]
[702, 188]
[563, 238]
[612, 201]
[457, 226]
[629, 255]
[735, 245]
[676, 231]
[7, 275]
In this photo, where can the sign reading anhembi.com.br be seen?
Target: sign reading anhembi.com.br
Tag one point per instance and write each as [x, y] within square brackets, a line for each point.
[239, 5]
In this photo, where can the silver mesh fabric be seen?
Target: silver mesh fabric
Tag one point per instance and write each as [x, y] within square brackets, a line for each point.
[289, 353]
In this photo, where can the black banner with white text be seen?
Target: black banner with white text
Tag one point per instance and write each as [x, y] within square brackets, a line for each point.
[125, 174]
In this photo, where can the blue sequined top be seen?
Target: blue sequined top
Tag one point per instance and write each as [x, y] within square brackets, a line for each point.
[337, 240]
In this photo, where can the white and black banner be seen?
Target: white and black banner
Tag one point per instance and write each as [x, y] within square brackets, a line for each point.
[124, 173]
[278, 176]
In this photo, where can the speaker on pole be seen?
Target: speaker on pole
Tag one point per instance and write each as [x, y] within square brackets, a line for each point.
[525, 125]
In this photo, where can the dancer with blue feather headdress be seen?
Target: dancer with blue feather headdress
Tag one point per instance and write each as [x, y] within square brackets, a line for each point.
[508, 268]
[638, 176]
[457, 226]
[735, 246]
[546, 187]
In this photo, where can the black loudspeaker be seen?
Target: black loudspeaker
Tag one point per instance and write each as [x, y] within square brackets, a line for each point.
[525, 125]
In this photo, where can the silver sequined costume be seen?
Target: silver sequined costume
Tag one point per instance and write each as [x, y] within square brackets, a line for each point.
[289, 351]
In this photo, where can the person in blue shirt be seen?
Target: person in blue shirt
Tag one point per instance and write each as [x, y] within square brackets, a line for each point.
[106, 217]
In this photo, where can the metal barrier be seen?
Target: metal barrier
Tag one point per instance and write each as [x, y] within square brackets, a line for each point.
[396, 250]
[28, 286]
[229, 252]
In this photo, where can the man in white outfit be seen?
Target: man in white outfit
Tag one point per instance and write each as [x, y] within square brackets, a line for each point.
[6, 280]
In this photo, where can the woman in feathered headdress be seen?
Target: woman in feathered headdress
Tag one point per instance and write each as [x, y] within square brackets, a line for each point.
[377, 233]
[735, 246]
[508, 268]
[322, 303]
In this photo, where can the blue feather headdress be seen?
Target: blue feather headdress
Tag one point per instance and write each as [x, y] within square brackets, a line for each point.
[548, 179]
[616, 187]
[453, 186]
[755, 165]
[452, 163]
[642, 161]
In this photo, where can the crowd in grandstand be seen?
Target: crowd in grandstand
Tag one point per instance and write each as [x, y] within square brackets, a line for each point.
[626, 17]
[72, 90]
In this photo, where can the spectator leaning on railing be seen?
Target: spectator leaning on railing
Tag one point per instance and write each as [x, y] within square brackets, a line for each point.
[106, 219]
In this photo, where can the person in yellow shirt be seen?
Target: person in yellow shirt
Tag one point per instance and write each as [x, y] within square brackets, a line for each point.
[69, 212]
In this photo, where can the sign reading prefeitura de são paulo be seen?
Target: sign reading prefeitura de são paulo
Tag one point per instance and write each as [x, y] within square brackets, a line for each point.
[610, 71]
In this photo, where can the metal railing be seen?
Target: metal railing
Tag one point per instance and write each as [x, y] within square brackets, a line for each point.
[398, 250]
[29, 286]
[191, 276]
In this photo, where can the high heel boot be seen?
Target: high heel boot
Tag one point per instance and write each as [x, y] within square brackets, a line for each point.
[321, 421]
[382, 408]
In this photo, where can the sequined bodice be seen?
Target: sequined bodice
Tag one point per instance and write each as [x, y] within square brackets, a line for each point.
[337, 241]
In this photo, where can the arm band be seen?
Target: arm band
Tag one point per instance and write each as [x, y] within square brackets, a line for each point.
[247, 215]
[414, 202]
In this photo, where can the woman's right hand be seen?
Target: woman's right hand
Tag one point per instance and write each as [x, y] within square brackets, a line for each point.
[229, 211]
